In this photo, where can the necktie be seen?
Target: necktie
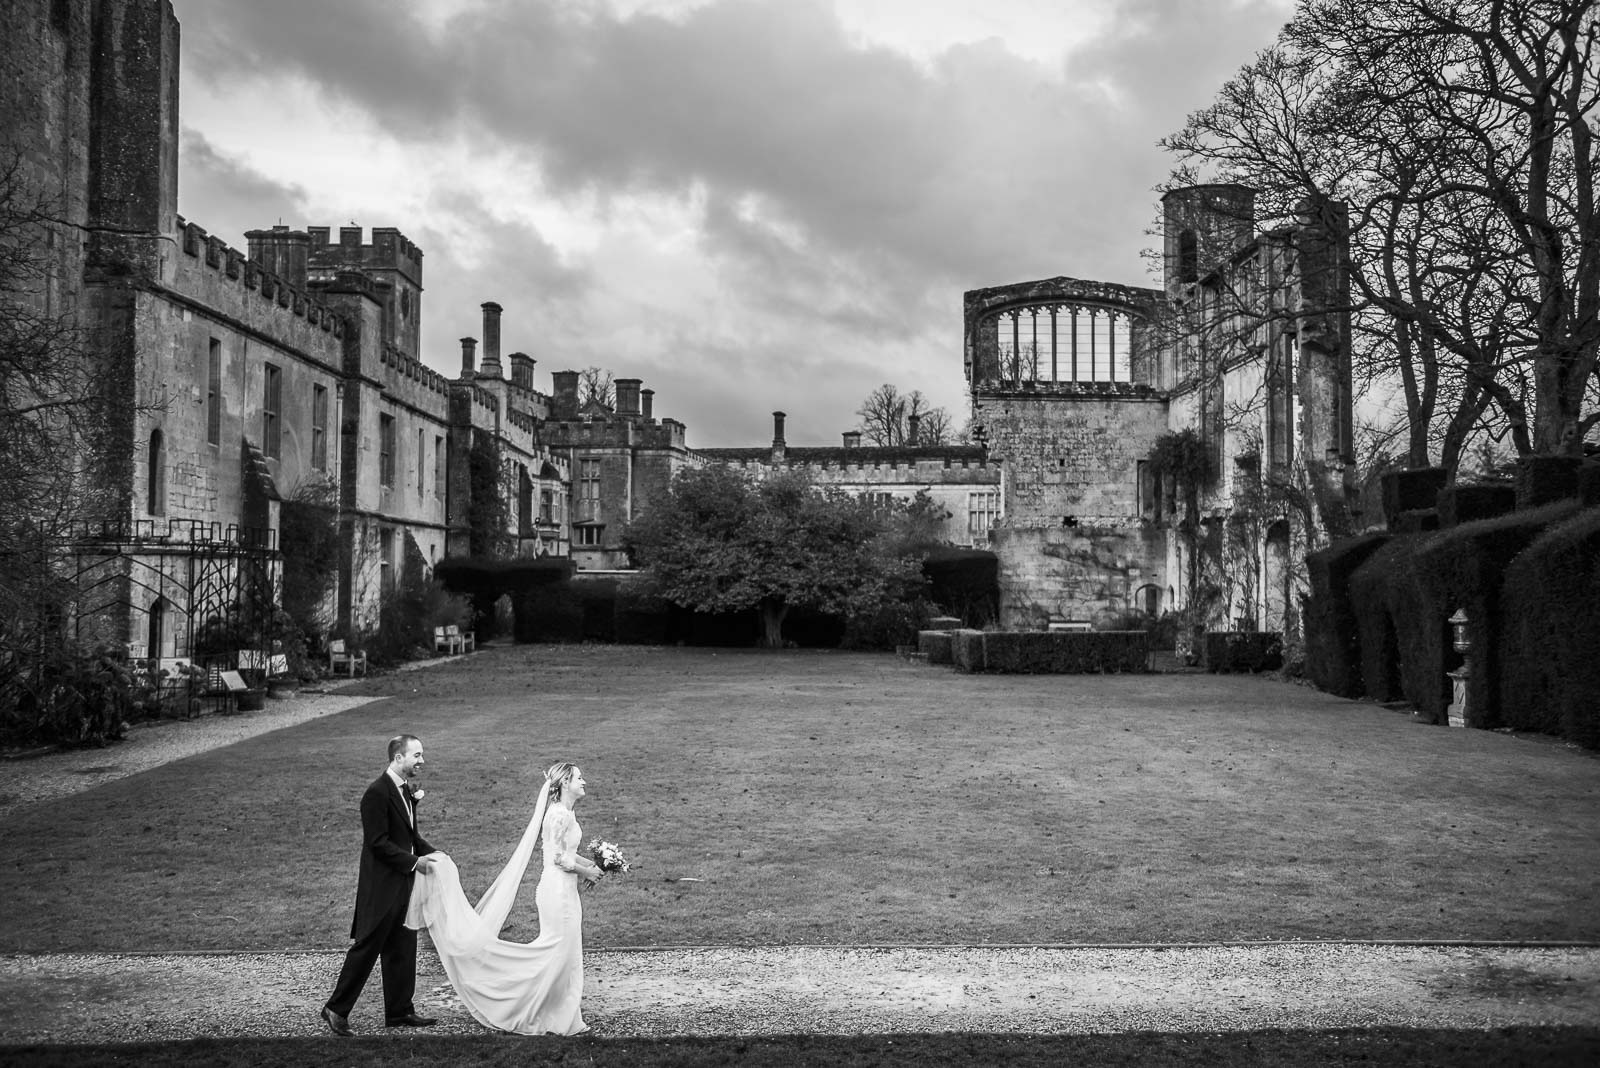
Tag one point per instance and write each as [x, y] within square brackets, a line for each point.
[411, 802]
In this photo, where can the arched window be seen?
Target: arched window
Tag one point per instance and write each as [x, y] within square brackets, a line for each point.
[156, 481]
[1188, 256]
[524, 504]
[157, 630]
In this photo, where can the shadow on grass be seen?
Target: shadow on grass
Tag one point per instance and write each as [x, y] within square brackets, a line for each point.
[1554, 1046]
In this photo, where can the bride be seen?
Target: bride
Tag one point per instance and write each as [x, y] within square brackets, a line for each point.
[532, 988]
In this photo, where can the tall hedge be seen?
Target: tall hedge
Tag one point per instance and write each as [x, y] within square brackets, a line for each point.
[1333, 645]
[1550, 645]
[1465, 568]
[1395, 660]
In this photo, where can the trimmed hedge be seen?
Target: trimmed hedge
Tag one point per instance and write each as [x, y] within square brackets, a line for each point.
[1550, 644]
[1032, 652]
[484, 580]
[1333, 646]
[1411, 490]
[1383, 594]
[1226, 651]
[1542, 480]
[937, 645]
[1465, 568]
[1463, 503]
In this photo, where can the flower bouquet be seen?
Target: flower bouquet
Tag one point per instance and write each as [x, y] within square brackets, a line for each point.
[607, 857]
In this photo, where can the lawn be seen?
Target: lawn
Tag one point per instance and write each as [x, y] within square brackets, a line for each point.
[825, 797]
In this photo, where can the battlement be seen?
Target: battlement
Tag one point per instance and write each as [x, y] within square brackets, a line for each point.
[935, 463]
[416, 371]
[1070, 390]
[213, 253]
[389, 249]
[522, 420]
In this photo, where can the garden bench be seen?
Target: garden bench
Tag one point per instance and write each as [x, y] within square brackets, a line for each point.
[445, 642]
[340, 656]
[465, 638]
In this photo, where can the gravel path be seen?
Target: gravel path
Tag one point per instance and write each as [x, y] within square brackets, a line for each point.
[815, 990]
[845, 990]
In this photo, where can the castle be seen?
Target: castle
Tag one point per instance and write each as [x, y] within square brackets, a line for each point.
[231, 381]
[1077, 385]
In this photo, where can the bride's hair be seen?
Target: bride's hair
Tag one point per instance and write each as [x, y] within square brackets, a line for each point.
[558, 774]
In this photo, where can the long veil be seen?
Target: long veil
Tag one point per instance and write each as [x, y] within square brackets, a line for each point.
[438, 902]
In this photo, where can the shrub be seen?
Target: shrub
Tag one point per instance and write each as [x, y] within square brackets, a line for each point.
[1411, 490]
[1055, 653]
[411, 610]
[937, 645]
[1550, 672]
[1465, 568]
[1463, 502]
[1236, 650]
[1383, 595]
[1542, 480]
[1332, 643]
[73, 696]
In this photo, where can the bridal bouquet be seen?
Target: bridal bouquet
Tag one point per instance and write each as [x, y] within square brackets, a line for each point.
[607, 857]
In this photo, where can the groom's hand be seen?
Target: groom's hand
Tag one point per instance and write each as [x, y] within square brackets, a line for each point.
[424, 865]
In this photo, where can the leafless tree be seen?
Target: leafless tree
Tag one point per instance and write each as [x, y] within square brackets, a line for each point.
[594, 384]
[1461, 137]
[884, 418]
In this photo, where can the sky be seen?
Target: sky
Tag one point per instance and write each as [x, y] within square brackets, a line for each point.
[751, 205]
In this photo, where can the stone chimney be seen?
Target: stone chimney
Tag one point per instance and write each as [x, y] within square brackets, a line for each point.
[852, 439]
[778, 447]
[522, 369]
[627, 396]
[282, 251]
[647, 398]
[491, 341]
[565, 402]
[913, 429]
[469, 353]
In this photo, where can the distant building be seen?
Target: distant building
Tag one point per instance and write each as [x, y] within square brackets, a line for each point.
[1074, 383]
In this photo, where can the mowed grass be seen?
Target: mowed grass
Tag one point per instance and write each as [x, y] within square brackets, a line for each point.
[825, 797]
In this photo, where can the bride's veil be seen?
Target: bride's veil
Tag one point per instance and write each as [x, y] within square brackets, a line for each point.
[495, 904]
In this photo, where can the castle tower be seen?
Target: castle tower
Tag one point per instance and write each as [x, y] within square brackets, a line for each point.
[1202, 225]
[391, 261]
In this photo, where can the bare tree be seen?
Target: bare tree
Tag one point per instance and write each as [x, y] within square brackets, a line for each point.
[1461, 138]
[885, 418]
[594, 384]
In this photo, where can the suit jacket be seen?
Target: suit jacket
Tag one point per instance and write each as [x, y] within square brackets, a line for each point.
[390, 847]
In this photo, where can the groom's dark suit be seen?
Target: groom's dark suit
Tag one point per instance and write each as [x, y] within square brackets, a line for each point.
[390, 846]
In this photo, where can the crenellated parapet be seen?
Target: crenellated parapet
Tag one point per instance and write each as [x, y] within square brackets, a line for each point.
[403, 368]
[389, 249]
[933, 465]
[210, 255]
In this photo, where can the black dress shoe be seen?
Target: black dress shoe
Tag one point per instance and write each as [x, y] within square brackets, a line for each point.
[336, 1023]
[411, 1020]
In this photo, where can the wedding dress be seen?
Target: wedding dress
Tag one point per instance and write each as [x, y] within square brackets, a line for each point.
[532, 988]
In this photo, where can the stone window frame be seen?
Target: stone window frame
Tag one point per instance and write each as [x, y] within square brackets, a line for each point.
[589, 535]
[156, 474]
[438, 466]
[588, 490]
[319, 427]
[386, 444]
[386, 570]
[422, 465]
[214, 392]
[272, 411]
[983, 511]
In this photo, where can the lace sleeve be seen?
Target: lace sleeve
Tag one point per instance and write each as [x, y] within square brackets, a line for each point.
[560, 841]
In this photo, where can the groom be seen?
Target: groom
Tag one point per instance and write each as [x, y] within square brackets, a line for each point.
[391, 851]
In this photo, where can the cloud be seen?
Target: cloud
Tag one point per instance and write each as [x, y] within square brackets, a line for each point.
[219, 186]
[761, 191]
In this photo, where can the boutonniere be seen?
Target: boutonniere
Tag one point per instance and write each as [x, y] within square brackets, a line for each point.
[418, 795]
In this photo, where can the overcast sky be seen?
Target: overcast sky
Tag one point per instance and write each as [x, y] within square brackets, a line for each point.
[749, 204]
